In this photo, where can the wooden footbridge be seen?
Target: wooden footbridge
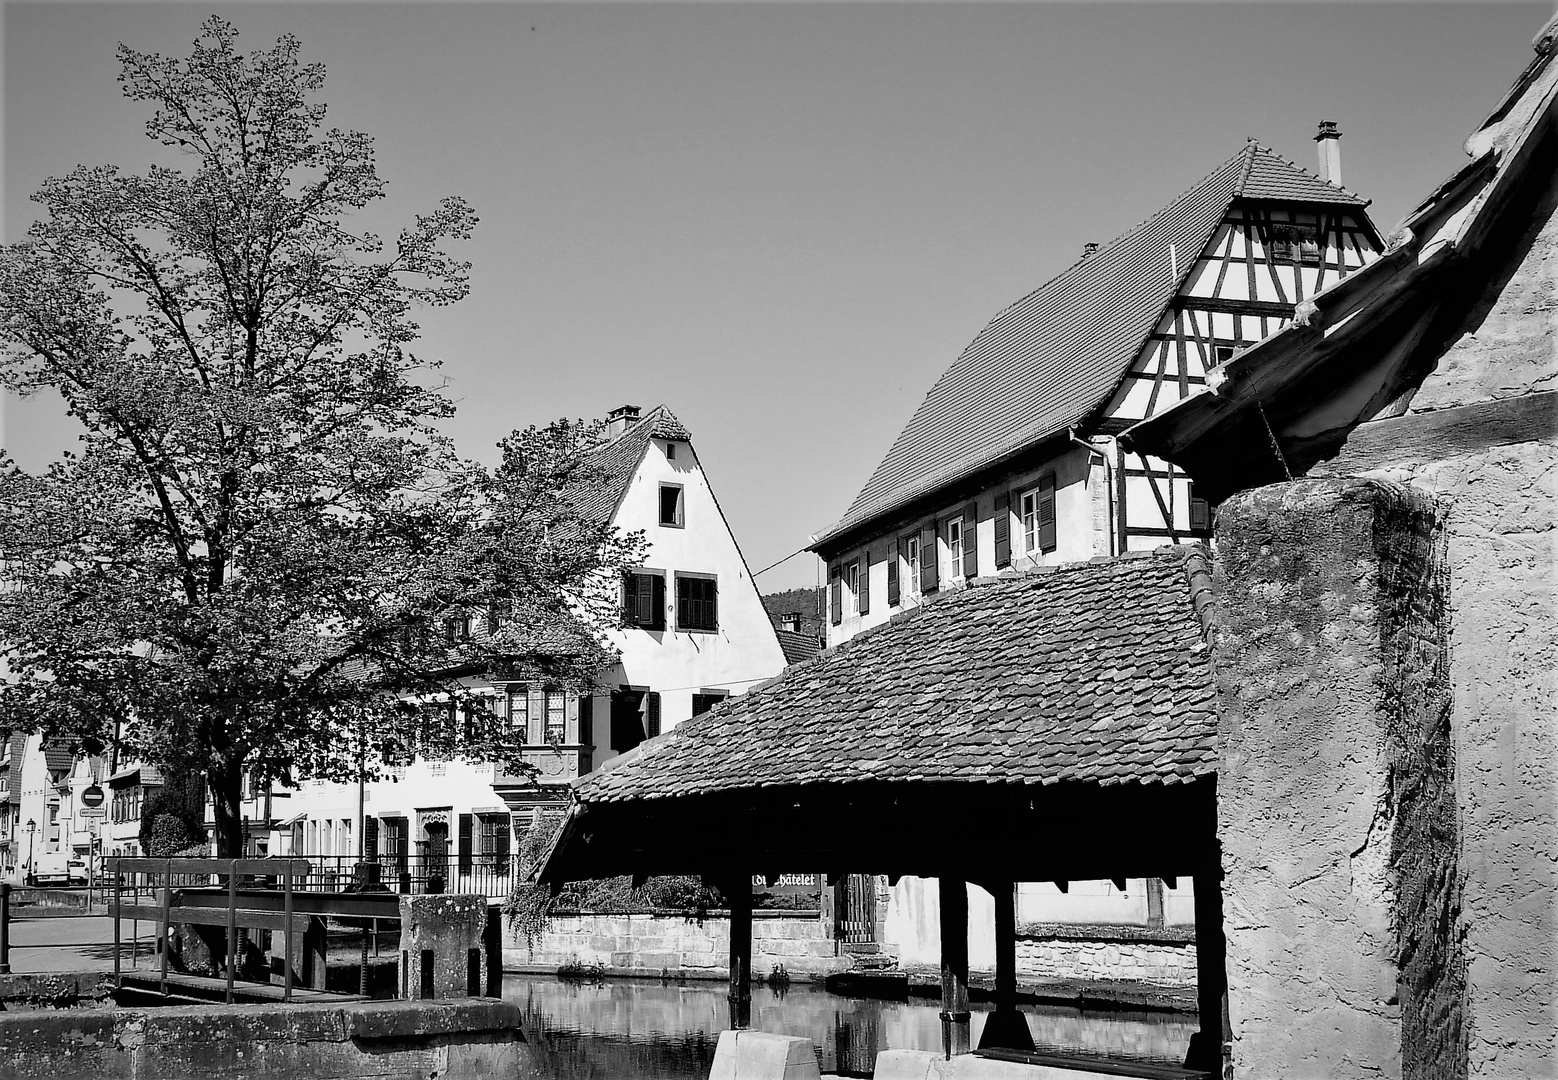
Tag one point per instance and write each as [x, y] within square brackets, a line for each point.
[268, 895]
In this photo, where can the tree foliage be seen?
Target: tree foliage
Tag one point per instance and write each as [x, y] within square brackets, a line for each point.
[264, 556]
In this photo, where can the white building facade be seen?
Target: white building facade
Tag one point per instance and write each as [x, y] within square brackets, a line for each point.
[693, 631]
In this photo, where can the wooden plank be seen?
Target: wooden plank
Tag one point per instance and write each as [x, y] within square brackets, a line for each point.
[1227, 256]
[1206, 1045]
[373, 905]
[1446, 433]
[739, 896]
[1233, 307]
[203, 916]
[262, 867]
[232, 927]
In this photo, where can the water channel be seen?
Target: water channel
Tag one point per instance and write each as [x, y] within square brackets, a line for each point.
[638, 1028]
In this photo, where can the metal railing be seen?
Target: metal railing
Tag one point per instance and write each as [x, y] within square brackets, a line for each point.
[491, 876]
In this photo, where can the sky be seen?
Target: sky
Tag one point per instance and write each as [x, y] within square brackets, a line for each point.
[783, 221]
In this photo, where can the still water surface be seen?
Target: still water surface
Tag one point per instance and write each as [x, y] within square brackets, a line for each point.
[633, 1028]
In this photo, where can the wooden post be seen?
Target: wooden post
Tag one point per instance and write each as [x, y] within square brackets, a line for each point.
[738, 893]
[1005, 1028]
[167, 904]
[314, 945]
[116, 924]
[286, 907]
[232, 928]
[954, 966]
[1206, 1045]
[5, 933]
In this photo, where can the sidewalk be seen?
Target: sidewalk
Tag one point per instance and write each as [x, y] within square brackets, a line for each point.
[72, 943]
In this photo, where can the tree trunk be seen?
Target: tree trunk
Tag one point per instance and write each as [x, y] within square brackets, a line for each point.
[226, 782]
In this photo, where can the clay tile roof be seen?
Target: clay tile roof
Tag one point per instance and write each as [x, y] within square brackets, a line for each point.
[1096, 672]
[609, 468]
[797, 647]
[1050, 360]
[57, 757]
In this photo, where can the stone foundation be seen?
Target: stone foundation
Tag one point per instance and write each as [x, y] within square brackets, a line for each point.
[1165, 962]
[673, 946]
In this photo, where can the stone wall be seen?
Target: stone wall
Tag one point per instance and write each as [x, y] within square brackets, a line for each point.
[1049, 958]
[1336, 784]
[673, 946]
[393, 1040]
[1503, 506]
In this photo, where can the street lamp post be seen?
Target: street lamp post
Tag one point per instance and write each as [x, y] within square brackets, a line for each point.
[27, 866]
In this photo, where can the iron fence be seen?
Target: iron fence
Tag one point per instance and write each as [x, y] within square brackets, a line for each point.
[487, 875]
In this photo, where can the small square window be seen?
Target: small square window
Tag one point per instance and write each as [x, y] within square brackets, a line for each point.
[954, 540]
[1221, 354]
[671, 505]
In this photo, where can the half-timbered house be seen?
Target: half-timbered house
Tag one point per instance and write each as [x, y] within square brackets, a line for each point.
[1011, 460]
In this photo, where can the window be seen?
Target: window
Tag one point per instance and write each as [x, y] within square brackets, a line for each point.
[852, 587]
[493, 836]
[1038, 517]
[702, 703]
[1308, 247]
[911, 560]
[643, 600]
[1284, 238]
[1221, 354]
[670, 451]
[519, 710]
[954, 540]
[696, 603]
[556, 716]
[671, 505]
[1200, 512]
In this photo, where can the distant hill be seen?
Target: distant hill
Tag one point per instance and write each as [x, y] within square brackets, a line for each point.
[805, 602]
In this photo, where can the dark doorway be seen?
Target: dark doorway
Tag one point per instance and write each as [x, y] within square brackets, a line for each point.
[627, 721]
[437, 855]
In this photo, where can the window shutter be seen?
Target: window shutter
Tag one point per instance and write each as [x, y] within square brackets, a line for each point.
[370, 837]
[1003, 530]
[836, 596]
[651, 714]
[587, 720]
[500, 842]
[463, 852]
[1200, 512]
[971, 540]
[630, 598]
[865, 582]
[929, 558]
[713, 605]
[657, 602]
[1047, 512]
[892, 576]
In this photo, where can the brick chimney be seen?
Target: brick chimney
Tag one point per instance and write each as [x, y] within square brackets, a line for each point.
[791, 621]
[620, 419]
[1329, 143]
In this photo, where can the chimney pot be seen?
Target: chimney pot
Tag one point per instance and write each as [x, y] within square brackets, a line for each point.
[1328, 143]
[618, 420]
[1089, 249]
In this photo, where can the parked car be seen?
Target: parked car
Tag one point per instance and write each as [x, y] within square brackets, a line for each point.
[59, 868]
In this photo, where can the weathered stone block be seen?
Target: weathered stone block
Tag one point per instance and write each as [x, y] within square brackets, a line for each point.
[442, 953]
[1336, 792]
[757, 1055]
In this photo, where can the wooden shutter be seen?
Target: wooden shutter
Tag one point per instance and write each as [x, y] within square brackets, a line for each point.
[370, 837]
[1047, 512]
[865, 581]
[651, 714]
[463, 851]
[929, 559]
[1200, 512]
[713, 605]
[587, 720]
[630, 598]
[500, 842]
[657, 602]
[971, 540]
[892, 574]
[836, 596]
[1003, 530]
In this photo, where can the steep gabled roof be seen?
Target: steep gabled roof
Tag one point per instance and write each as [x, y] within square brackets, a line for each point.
[1093, 673]
[1054, 357]
[610, 467]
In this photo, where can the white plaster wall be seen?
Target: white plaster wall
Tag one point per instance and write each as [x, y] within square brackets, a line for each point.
[1081, 531]
[744, 651]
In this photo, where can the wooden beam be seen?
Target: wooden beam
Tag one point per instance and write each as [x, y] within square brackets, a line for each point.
[738, 894]
[953, 894]
[1005, 1027]
[1206, 1045]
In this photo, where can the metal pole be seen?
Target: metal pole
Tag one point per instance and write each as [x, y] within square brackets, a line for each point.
[232, 927]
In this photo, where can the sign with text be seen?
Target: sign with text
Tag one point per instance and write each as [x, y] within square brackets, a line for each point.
[92, 813]
[803, 891]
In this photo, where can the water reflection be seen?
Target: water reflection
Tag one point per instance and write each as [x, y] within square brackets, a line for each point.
[641, 1028]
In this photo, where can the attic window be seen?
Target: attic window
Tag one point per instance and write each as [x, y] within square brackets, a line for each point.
[671, 505]
[670, 451]
[1285, 238]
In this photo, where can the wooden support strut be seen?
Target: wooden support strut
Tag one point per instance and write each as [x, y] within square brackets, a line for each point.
[954, 966]
[1005, 1027]
[1206, 1045]
[738, 893]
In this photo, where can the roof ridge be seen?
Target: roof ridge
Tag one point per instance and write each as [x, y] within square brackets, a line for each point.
[1250, 146]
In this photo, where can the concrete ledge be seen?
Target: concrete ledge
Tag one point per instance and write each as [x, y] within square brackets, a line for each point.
[1167, 935]
[399, 1040]
[55, 989]
[757, 1055]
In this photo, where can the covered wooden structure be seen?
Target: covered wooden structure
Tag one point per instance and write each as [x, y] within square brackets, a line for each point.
[1053, 726]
